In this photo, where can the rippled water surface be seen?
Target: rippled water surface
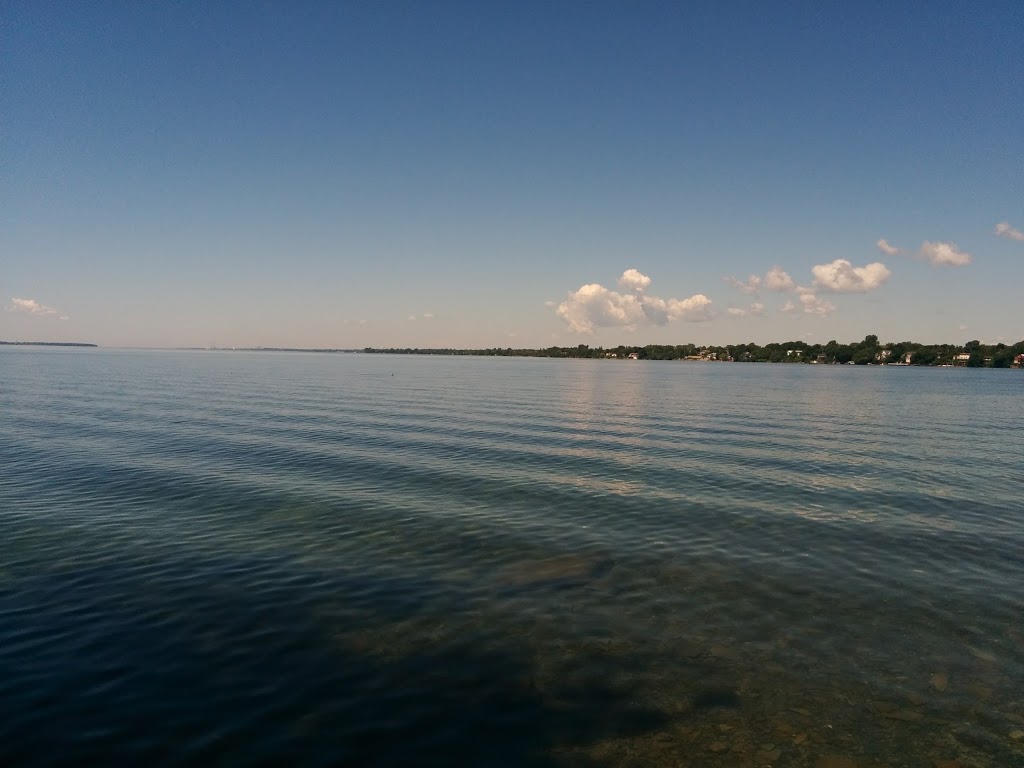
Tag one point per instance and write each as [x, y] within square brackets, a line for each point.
[271, 558]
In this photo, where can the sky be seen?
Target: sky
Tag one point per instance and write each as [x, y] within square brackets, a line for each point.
[464, 174]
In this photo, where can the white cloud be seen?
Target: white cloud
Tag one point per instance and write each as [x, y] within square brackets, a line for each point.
[412, 317]
[944, 254]
[885, 247]
[751, 285]
[594, 305]
[428, 315]
[813, 305]
[777, 280]
[756, 309]
[633, 280]
[842, 277]
[810, 304]
[33, 307]
[550, 304]
[1003, 229]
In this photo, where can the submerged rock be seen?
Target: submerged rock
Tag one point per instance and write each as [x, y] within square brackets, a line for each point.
[716, 697]
[561, 571]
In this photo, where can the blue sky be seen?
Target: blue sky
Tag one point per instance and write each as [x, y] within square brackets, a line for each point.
[483, 174]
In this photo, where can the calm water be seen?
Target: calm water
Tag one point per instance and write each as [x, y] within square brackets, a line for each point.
[260, 558]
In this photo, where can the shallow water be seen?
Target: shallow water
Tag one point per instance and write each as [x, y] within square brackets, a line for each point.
[245, 558]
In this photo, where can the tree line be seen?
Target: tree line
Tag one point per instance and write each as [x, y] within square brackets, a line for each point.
[870, 351]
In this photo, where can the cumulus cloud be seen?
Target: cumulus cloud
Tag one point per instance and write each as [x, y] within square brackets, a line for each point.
[842, 277]
[751, 285]
[777, 280]
[944, 254]
[633, 280]
[428, 315]
[809, 303]
[1003, 229]
[886, 247]
[594, 305]
[33, 307]
[813, 305]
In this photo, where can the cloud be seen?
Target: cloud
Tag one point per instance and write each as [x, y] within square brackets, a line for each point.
[842, 277]
[428, 315]
[812, 305]
[752, 284]
[412, 317]
[888, 249]
[1003, 229]
[944, 254]
[777, 280]
[756, 309]
[33, 307]
[633, 280]
[594, 305]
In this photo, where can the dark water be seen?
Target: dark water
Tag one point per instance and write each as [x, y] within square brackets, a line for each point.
[255, 558]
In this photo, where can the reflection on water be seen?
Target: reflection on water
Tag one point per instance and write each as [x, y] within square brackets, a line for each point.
[272, 558]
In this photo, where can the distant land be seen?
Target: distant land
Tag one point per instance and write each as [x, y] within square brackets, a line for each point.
[270, 349]
[46, 344]
[870, 351]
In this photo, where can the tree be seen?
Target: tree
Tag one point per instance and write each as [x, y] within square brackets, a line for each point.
[864, 355]
[924, 356]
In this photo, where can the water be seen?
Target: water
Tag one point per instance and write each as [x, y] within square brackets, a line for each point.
[272, 558]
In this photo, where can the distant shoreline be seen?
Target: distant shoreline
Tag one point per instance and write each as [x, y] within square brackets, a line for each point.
[46, 344]
[870, 351]
[268, 349]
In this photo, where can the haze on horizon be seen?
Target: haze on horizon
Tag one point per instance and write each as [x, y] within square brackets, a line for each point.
[453, 175]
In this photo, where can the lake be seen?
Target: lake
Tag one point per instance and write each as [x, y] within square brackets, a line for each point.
[242, 558]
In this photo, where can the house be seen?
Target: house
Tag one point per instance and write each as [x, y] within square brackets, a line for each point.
[961, 358]
[634, 356]
[1018, 361]
[883, 355]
